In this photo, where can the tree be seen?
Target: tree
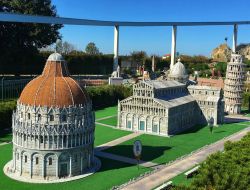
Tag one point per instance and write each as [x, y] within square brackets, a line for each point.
[92, 49]
[20, 41]
[139, 56]
[64, 47]
[59, 46]
[68, 47]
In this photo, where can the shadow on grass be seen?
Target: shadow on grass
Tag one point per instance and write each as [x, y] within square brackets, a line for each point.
[192, 130]
[109, 164]
[219, 131]
[234, 120]
[149, 153]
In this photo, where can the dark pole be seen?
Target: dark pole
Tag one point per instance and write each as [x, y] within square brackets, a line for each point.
[2, 87]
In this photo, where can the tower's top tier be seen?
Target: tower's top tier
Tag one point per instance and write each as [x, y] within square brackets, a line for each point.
[236, 58]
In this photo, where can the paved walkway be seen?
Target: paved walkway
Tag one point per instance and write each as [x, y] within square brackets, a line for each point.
[124, 159]
[100, 148]
[179, 166]
[106, 125]
[106, 117]
[4, 143]
[116, 141]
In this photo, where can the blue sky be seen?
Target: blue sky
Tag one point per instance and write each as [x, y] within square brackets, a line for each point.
[155, 40]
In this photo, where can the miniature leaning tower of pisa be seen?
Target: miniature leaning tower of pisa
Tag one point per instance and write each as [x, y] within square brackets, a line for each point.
[233, 89]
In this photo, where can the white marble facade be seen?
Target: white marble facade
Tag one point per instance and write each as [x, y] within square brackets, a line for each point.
[234, 84]
[169, 107]
[52, 142]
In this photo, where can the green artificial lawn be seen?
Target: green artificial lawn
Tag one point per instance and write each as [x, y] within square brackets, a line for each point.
[105, 134]
[110, 111]
[181, 179]
[163, 149]
[110, 121]
[111, 173]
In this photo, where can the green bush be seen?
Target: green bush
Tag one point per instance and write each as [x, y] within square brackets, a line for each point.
[6, 109]
[246, 98]
[105, 96]
[225, 170]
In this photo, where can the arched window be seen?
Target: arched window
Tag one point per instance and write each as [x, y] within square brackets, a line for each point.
[39, 117]
[28, 115]
[37, 160]
[50, 161]
[51, 117]
[64, 118]
[41, 139]
[25, 159]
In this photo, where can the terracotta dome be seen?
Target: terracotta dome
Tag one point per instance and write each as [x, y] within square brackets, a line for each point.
[54, 87]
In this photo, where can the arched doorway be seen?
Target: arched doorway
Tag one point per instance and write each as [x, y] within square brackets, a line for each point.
[64, 161]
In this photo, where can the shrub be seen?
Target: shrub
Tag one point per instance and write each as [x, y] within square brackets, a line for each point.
[105, 96]
[6, 109]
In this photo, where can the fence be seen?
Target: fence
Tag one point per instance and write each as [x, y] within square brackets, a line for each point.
[12, 88]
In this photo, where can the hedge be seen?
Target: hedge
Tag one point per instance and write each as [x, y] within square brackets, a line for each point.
[79, 63]
[105, 96]
[6, 109]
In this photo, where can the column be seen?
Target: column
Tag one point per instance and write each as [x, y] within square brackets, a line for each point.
[14, 160]
[89, 160]
[21, 164]
[31, 161]
[57, 166]
[62, 141]
[81, 162]
[235, 38]
[173, 46]
[116, 47]
[70, 166]
[43, 167]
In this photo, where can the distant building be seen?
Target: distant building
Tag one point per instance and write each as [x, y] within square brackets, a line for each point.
[234, 84]
[210, 103]
[166, 56]
[219, 83]
[168, 107]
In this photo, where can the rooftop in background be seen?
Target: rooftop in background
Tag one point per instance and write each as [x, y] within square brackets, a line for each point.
[163, 84]
[210, 82]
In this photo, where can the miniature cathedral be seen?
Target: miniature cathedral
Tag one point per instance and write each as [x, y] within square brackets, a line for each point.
[168, 107]
[53, 126]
